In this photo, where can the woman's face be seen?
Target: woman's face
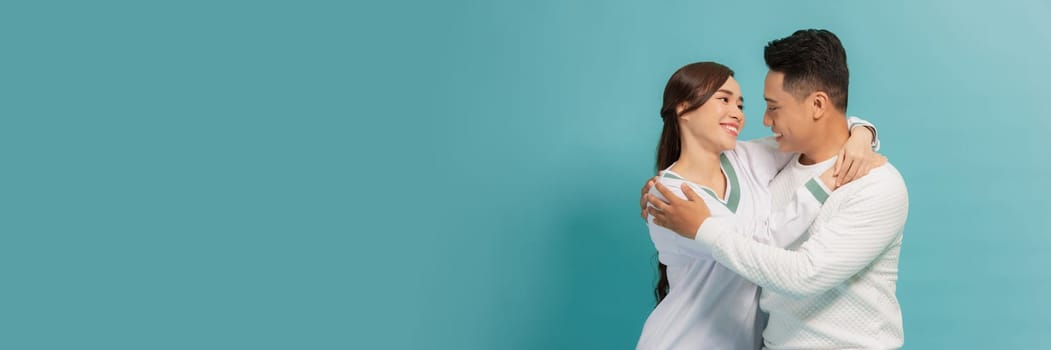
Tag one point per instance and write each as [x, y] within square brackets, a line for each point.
[716, 124]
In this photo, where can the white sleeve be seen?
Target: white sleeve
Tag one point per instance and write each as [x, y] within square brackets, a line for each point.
[855, 121]
[854, 236]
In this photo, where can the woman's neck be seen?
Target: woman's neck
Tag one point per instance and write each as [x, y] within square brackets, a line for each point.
[703, 168]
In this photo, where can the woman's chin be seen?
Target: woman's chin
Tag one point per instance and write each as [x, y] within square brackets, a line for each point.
[731, 144]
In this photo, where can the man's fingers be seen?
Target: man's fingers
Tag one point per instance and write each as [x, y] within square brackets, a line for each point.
[690, 194]
[670, 197]
[661, 221]
[656, 204]
[658, 217]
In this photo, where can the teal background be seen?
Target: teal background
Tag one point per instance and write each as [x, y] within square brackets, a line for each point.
[465, 174]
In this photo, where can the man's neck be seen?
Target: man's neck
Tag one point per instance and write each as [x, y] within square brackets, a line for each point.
[830, 136]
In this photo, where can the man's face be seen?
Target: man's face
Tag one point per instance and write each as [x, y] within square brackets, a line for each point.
[785, 115]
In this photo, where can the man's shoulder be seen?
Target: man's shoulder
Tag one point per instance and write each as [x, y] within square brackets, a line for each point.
[876, 199]
[887, 174]
[884, 180]
[881, 182]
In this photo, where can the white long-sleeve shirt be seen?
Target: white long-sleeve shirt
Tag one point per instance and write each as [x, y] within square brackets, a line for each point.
[709, 306]
[834, 287]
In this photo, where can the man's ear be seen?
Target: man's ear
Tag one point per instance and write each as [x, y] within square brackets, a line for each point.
[819, 104]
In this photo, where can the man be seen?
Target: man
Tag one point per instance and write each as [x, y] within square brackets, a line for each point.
[834, 287]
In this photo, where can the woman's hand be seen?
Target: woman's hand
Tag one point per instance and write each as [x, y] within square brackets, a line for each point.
[856, 158]
[869, 162]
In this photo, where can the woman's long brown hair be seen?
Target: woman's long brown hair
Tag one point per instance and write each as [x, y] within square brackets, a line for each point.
[688, 88]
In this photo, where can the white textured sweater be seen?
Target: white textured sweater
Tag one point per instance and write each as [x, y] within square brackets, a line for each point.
[833, 287]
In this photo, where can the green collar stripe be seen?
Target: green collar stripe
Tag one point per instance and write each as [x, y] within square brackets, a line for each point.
[735, 187]
[816, 190]
[668, 174]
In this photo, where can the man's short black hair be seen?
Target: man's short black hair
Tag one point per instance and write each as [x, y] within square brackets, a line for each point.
[811, 60]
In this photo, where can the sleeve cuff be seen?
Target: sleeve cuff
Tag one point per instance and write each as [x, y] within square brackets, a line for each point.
[817, 189]
[710, 230]
[853, 121]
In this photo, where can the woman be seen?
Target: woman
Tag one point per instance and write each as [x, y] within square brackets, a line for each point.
[702, 304]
